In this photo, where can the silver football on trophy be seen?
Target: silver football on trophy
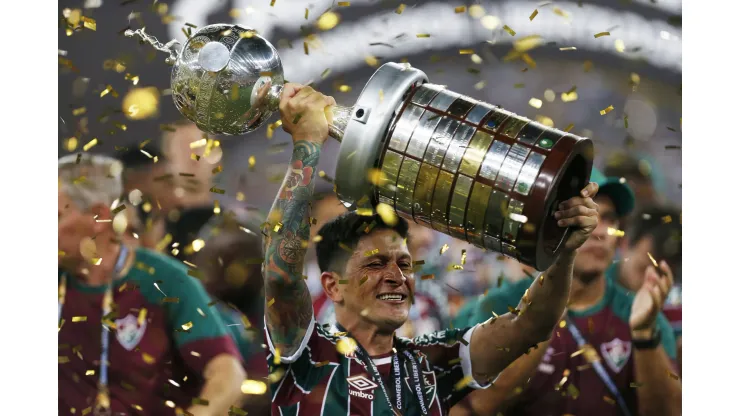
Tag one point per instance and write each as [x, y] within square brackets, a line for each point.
[226, 78]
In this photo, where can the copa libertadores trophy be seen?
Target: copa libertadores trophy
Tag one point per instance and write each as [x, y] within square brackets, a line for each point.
[460, 166]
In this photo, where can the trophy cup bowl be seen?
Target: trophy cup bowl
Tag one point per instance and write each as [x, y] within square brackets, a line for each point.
[449, 162]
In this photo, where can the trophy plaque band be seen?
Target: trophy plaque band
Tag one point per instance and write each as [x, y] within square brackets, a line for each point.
[468, 169]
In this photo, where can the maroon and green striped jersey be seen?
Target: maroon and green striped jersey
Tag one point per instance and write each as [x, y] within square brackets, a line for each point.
[319, 380]
[605, 326]
[155, 356]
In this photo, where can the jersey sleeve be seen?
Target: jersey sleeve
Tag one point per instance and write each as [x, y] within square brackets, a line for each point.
[667, 336]
[448, 356]
[498, 301]
[293, 377]
[198, 331]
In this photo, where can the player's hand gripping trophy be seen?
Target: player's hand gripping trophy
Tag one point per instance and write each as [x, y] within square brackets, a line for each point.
[449, 162]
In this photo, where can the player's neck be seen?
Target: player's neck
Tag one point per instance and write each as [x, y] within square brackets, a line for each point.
[585, 294]
[92, 275]
[374, 341]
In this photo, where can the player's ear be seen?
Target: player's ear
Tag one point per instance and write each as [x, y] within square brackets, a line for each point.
[330, 283]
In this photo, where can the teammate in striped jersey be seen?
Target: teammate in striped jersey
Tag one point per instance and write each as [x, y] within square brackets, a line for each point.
[360, 367]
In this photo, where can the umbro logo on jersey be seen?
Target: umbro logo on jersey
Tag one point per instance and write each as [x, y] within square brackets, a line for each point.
[361, 383]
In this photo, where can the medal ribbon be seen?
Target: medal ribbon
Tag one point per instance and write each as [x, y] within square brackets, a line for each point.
[371, 368]
[102, 400]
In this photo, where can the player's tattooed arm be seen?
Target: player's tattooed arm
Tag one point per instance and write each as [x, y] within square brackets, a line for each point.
[288, 310]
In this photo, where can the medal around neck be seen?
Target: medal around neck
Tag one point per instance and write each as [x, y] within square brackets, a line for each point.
[449, 162]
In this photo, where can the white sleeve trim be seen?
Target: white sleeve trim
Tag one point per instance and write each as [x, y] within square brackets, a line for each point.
[466, 362]
[293, 357]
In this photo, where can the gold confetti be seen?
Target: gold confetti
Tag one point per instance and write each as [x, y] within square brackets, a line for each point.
[587, 66]
[463, 256]
[137, 407]
[387, 214]
[233, 410]
[635, 385]
[460, 9]
[195, 353]
[305, 47]
[532, 16]
[464, 382]
[444, 248]
[198, 401]
[363, 280]
[606, 110]
[619, 45]
[141, 103]
[423, 35]
[142, 316]
[652, 259]
[346, 346]
[569, 96]
[89, 23]
[171, 300]
[90, 144]
[568, 48]
[79, 319]
[276, 359]
[401, 7]
[535, 102]
[427, 277]
[343, 3]
[466, 51]
[253, 387]
[454, 361]
[600, 34]
[345, 247]
[326, 21]
[217, 190]
[609, 400]
[570, 127]
[372, 252]
[343, 281]
[322, 363]
[252, 161]
[186, 326]
[271, 302]
[667, 219]
[345, 88]
[509, 30]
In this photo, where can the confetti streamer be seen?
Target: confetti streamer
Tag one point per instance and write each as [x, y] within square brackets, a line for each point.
[401, 7]
[460, 9]
[606, 110]
[509, 30]
[423, 35]
[532, 16]
[600, 34]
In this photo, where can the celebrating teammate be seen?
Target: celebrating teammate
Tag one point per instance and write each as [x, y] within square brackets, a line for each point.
[361, 367]
[136, 334]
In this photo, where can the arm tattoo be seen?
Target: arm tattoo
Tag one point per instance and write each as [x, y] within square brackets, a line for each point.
[285, 247]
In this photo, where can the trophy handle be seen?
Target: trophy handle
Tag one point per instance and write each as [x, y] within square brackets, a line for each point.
[172, 47]
[340, 114]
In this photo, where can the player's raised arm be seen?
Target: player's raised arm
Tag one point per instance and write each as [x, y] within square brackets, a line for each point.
[288, 310]
[544, 302]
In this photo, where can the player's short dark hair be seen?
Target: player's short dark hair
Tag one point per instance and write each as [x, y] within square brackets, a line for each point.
[663, 225]
[347, 229]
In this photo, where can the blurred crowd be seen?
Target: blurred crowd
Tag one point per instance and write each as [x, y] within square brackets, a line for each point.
[168, 192]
